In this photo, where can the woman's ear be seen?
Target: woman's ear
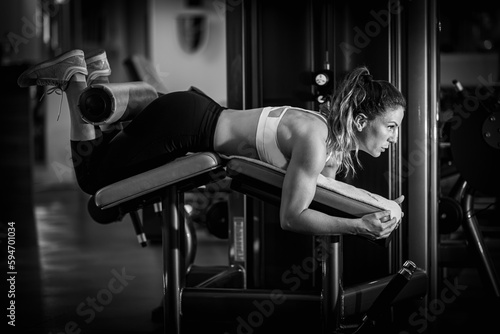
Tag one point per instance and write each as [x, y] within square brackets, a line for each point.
[360, 120]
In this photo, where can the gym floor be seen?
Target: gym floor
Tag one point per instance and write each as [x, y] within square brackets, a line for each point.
[97, 279]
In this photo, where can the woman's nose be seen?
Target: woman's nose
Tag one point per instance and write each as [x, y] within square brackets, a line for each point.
[394, 137]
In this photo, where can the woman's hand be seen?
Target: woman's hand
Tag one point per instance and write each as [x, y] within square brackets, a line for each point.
[378, 225]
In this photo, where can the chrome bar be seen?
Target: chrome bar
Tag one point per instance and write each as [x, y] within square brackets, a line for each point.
[206, 302]
[420, 155]
[395, 172]
[357, 299]
[331, 283]
[173, 263]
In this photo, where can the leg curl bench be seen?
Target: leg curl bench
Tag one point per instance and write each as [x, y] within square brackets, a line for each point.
[253, 178]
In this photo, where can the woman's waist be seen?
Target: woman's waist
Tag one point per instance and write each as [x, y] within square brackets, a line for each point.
[235, 132]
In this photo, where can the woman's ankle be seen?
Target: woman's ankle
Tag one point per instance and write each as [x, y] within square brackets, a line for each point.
[80, 130]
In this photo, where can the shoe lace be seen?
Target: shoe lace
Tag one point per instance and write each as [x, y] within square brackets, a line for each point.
[58, 90]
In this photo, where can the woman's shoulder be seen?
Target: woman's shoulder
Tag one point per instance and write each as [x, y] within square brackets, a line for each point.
[308, 123]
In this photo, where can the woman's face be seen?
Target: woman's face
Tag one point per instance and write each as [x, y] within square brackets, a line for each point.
[376, 135]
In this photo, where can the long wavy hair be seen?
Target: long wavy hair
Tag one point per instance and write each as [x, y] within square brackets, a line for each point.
[357, 93]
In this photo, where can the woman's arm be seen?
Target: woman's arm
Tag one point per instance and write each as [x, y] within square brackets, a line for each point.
[306, 163]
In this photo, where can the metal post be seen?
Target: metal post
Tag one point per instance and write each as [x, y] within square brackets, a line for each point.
[173, 262]
[395, 175]
[420, 159]
[331, 283]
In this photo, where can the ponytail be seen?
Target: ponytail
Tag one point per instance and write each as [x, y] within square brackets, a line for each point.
[357, 93]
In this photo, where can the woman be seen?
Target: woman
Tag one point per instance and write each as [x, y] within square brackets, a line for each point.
[364, 115]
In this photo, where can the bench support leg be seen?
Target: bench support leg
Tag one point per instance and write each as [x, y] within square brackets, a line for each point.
[331, 282]
[173, 262]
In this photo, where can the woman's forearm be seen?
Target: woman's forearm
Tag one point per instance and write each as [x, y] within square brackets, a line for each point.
[317, 223]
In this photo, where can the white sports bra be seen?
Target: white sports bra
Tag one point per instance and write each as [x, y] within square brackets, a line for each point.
[267, 136]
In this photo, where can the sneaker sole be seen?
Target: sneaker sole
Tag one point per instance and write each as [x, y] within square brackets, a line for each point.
[26, 82]
[99, 73]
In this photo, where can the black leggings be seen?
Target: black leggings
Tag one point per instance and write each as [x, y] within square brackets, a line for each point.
[169, 127]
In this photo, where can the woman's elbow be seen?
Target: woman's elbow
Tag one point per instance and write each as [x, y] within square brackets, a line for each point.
[286, 226]
[288, 223]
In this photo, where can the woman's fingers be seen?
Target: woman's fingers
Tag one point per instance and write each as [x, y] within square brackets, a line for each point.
[380, 224]
[400, 199]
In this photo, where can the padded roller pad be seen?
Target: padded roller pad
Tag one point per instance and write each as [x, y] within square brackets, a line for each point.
[180, 170]
[353, 200]
[108, 103]
[332, 193]
[332, 196]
